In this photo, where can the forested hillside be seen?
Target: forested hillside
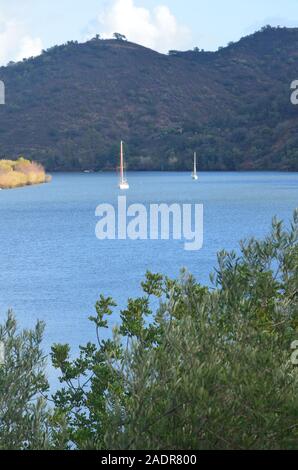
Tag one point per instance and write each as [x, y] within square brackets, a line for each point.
[69, 107]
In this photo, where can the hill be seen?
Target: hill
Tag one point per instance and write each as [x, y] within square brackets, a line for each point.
[69, 107]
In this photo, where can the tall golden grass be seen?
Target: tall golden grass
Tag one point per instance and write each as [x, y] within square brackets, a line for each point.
[21, 172]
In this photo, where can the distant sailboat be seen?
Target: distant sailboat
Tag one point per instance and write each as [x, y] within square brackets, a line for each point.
[194, 174]
[123, 184]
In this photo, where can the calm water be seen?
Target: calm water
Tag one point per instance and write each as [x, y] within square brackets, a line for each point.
[53, 267]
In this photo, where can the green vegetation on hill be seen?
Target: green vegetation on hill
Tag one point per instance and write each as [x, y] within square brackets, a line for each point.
[211, 368]
[21, 172]
[69, 107]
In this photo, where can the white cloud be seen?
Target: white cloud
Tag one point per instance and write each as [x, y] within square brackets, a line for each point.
[15, 43]
[157, 29]
[29, 47]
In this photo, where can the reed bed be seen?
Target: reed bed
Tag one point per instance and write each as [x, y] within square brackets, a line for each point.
[21, 172]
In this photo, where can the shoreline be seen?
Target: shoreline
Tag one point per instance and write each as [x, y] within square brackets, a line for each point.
[47, 180]
[92, 172]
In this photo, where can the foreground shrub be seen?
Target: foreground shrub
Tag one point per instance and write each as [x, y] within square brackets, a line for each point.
[209, 369]
[23, 414]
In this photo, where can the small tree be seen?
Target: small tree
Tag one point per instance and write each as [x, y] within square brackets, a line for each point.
[24, 417]
[119, 37]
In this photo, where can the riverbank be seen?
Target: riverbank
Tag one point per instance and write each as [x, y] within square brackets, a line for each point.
[21, 172]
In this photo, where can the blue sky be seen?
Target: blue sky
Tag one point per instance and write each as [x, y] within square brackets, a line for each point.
[26, 26]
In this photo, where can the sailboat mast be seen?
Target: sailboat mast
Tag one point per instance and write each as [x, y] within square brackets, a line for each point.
[195, 163]
[121, 163]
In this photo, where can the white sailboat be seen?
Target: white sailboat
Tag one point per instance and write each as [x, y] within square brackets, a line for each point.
[194, 174]
[123, 183]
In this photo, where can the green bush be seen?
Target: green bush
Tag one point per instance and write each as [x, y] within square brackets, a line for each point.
[23, 411]
[209, 369]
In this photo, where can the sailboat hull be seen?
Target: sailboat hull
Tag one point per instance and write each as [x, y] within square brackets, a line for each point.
[194, 177]
[123, 186]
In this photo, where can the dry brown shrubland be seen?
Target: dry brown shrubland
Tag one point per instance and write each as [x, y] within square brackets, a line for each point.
[21, 172]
